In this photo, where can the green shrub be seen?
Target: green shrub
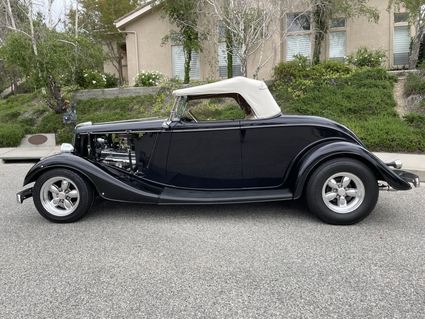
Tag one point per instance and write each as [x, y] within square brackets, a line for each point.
[415, 84]
[148, 78]
[389, 134]
[416, 120]
[367, 58]
[111, 81]
[92, 79]
[288, 72]
[11, 134]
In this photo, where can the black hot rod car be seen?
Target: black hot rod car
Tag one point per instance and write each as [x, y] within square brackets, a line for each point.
[191, 158]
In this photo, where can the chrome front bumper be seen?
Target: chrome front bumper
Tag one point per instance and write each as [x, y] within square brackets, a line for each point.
[23, 195]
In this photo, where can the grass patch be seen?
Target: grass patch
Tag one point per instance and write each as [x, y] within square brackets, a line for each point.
[29, 114]
[415, 84]
[11, 134]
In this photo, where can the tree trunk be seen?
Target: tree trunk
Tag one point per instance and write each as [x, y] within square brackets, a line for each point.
[229, 50]
[244, 66]
[317, 52]
[59, 103]
[320, 28]
[416, 46]
[187, 61]
[11, 17]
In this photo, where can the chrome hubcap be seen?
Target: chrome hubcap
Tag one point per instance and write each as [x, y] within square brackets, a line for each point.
[59, 196]
[343, 192]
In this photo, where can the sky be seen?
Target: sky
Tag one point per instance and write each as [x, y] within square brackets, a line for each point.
[59, 9]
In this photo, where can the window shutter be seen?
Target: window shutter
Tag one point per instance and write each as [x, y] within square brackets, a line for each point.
[222, 62]
[178, 63]
[337, 42]
[401, 45]
[195, 67]
[298, 45]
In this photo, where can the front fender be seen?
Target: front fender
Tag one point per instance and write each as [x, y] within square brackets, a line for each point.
[109, 185]
[321, 153]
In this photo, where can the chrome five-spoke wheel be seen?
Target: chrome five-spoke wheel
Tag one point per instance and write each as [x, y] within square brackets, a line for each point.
[343, 192]
[62, 195]
[59, 196]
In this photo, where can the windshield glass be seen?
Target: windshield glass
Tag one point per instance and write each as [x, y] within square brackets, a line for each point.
[179, 108]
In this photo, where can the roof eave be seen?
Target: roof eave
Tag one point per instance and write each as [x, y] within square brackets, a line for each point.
[132, 15]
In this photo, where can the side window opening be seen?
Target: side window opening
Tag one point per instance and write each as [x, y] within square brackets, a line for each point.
[216, 108]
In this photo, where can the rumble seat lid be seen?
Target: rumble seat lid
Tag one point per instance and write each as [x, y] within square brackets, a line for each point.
[255, 92]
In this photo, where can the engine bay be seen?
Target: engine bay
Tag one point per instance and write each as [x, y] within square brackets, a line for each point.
[116, 150]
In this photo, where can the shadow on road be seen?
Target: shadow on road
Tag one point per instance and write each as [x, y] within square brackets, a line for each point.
[282, 210]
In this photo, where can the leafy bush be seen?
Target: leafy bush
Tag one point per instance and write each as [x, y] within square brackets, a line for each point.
[362, 99]
[415, 84]
[389, 134]
[11, 134]
[148, 78]
[92, 79]
[299, 76]
[111, 81]
[293, 70]
[367, 58]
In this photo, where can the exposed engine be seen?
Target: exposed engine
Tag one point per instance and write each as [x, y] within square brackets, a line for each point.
[116, 150]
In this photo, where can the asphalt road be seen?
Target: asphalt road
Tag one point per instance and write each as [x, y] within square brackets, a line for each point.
[236, 261]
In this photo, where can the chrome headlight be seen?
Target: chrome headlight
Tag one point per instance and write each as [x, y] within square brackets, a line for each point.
[67, 148]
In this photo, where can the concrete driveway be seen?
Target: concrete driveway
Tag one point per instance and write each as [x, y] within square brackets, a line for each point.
[235, 261]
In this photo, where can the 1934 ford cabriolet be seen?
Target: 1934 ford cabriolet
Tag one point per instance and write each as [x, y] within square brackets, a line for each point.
[190, 158]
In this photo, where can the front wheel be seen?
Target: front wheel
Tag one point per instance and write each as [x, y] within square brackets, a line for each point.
[62, 196]
[342, 191]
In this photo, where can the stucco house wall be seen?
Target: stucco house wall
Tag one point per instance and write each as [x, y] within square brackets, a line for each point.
[147, 31]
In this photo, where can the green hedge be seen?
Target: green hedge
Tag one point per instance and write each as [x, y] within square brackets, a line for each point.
[362, 99]
[11, 134]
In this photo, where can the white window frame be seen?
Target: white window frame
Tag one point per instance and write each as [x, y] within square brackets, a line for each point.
[303, 33]
[337, 30]
[403, 24]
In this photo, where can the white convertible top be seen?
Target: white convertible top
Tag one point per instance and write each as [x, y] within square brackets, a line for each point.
[255, 93]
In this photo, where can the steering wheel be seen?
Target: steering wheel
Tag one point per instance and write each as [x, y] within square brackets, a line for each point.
[192, 116]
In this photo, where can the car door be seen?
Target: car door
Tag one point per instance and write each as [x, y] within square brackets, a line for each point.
[205, 155]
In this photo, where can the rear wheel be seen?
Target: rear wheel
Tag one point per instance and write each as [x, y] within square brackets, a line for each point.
[342, 191]
[62, 196]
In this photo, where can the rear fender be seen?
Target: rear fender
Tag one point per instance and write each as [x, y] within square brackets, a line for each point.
[109, 185]
[322, 153]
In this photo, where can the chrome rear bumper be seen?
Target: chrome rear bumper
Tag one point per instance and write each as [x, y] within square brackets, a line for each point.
[411, 178]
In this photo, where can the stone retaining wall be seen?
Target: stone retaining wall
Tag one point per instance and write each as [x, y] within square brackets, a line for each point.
[114, 92]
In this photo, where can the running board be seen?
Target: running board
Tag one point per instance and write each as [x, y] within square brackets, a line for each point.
[183, 196]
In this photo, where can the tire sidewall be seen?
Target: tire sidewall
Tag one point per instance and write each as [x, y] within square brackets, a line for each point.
[321, 175]
[85, 193]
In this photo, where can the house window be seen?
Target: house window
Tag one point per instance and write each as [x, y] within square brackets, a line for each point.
[401, 17]
[222, 62]
[337, 23]
[296, 22]
[337, 39]
[178, 63]
[401, 45]
[298, 45]
[298, 41]
[222, 55]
